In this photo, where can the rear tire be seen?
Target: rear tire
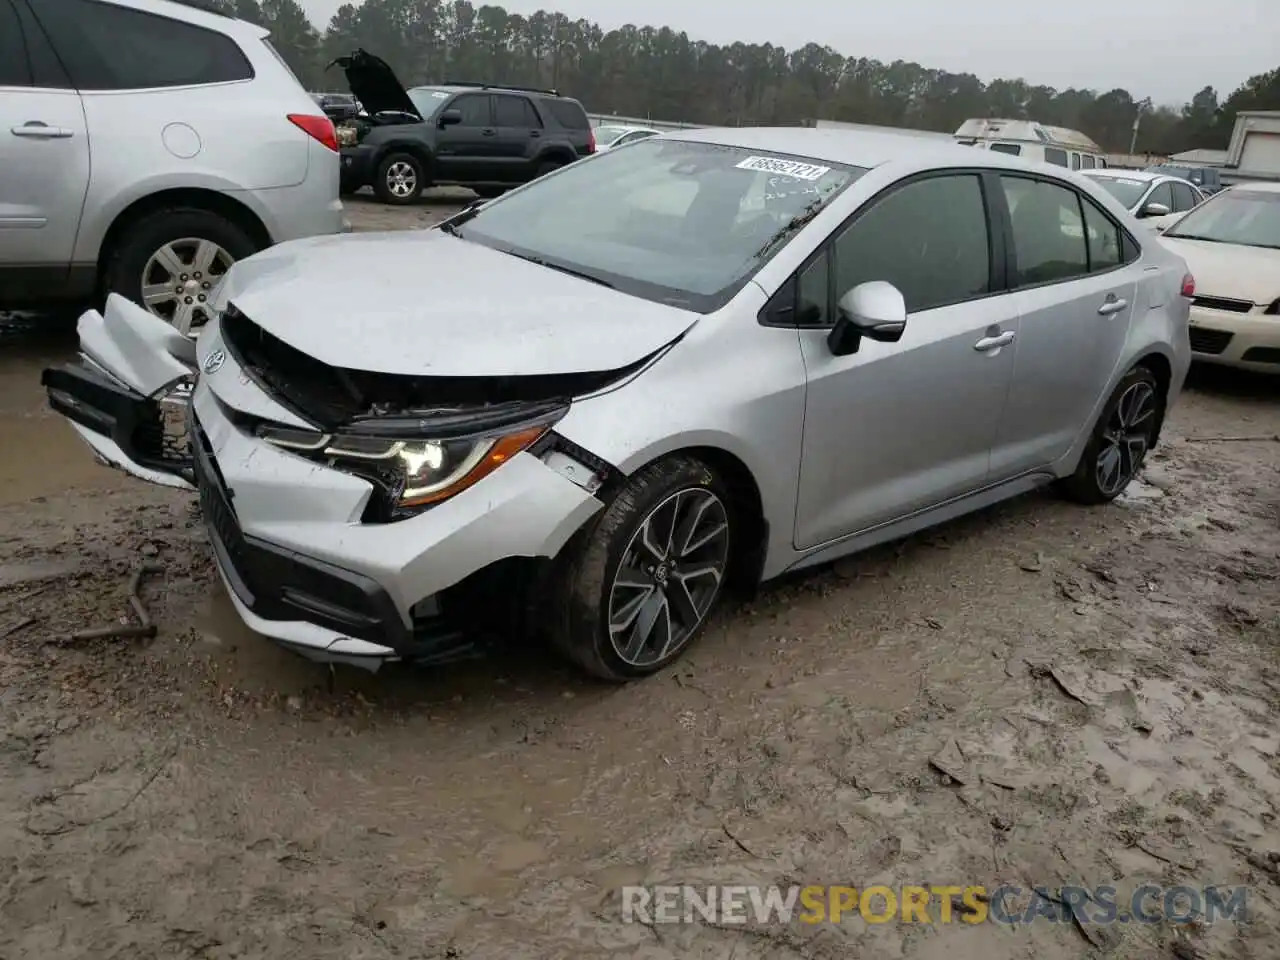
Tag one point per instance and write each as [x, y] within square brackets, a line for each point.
[1127, 428]
[135, 250]
[547, 166]
[634, 590]
[400, 180]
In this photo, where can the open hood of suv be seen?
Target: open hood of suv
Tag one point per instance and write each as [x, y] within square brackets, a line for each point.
[427, 304]
[375, 84]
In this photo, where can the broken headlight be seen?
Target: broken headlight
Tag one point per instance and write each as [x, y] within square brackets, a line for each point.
[421, 472]
[347, 134]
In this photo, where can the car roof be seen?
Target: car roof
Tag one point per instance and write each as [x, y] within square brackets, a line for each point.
[1262, 186]
[858, 148]
[1126, 174]
[520, 91]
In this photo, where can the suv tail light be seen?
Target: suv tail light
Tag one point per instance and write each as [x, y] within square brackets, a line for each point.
[320, 128]
[591, 141]
[1188, 286]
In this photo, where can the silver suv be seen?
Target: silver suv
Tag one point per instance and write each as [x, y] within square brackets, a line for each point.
[145, 146]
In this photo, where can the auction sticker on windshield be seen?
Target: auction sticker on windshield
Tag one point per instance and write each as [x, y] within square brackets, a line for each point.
[788, 168]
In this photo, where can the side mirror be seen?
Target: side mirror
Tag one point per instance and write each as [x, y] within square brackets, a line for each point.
[449, 118]
[1156, 210]
[875, 310]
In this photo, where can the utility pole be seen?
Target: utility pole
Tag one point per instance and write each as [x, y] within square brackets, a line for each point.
[1143, 105]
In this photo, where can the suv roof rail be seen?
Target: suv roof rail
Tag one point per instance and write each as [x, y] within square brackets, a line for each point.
[207, 6]
[499, 86]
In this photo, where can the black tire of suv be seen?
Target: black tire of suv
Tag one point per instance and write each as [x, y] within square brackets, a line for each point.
[1082, 486]
[548, 166]
[581, 583]
[141, 239]
[380, 189]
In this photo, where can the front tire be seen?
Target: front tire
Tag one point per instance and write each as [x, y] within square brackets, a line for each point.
[1126, 430]
[635, 589]
[400, 180]
[172, 260]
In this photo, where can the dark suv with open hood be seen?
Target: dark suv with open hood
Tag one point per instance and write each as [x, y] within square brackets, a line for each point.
[483, 136]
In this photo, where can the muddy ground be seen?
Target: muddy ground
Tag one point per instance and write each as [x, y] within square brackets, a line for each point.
[1102, 685]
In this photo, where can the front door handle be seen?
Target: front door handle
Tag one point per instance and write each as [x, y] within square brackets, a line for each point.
[1112, 305]
[987, 344]
[35, 130]
[489, 133]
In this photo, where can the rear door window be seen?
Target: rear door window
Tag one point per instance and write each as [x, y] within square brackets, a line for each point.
[1048, 231]
[26, 58]
[106, 47]
[509, 111]
[14, 70]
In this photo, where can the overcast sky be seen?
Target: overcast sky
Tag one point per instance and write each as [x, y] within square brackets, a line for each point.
[1166, 50]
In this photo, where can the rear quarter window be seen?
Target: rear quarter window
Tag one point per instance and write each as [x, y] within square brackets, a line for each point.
[106, 47]
[568, 113]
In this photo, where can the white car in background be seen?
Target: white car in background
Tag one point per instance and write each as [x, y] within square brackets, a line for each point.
[1232, 246]
[1148, 196]
[611, 135]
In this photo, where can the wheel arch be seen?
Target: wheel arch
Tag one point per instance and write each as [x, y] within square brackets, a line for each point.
[748, 502]
[196, 197]
[414, 148]
[1162, 370]
[554, 154]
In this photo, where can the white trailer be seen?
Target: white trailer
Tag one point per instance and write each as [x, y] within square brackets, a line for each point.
[1254, 151]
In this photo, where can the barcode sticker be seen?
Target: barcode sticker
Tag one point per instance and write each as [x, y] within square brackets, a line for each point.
[787, 168]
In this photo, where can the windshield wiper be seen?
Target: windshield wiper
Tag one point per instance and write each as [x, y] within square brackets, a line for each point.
[450, 225]
[1193, 236]
[561, 269]
[792, 226]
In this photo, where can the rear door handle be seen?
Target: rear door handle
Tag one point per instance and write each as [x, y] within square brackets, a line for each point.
[987, 344]
[1112, 305]
[489, 133]
[35, 130]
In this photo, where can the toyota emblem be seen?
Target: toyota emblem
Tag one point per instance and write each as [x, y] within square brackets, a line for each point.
[213, 363]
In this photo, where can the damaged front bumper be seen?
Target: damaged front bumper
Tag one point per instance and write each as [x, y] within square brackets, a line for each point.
[298, 563]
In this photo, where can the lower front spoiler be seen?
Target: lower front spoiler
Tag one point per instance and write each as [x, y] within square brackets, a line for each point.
[143, 436]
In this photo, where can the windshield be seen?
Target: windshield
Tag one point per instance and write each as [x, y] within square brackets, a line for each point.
[428, 100]
[606, 135]
[1250, 218]
[1125, 189]
[682, 223]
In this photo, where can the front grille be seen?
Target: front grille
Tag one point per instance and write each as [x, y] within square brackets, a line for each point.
[1262, 355]
[1209, 341]
[1222, 303]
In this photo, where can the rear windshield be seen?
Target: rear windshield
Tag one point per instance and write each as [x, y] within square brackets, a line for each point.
[686, 224]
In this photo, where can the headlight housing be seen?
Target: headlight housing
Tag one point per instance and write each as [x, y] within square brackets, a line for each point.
[413, 474]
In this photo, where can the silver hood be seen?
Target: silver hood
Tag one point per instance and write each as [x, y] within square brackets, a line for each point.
[424, 303]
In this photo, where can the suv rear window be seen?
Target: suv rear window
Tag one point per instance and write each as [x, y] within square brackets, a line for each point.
[106, 47]
[568, 113]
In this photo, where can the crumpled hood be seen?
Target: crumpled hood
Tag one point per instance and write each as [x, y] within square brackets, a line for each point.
[1228, 270]
[423, 303]
[374, 84]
